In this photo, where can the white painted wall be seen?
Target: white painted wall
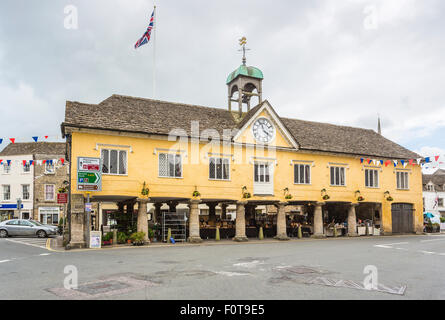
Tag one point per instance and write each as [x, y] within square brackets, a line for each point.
[430, 199]
[16, 178]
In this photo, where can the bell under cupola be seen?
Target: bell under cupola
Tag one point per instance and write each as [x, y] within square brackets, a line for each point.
[244, 84]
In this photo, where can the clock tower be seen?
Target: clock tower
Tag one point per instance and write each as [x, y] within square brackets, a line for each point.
[244, 83]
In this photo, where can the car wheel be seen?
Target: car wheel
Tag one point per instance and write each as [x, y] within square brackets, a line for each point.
[3, 234]
[41, 234]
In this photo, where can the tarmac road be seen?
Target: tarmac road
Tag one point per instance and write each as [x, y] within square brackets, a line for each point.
[408, 267]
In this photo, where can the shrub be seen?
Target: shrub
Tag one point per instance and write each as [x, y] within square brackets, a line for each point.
[137, 238]
[151, 233]
[108, 236]
[121, 237]
[442, 219]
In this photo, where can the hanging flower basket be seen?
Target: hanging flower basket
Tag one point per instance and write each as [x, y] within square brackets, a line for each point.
[326, 197]
[196, 194]
[145, 191]
[360, 199]
[390, 199]
[246, 195]
[288, 197]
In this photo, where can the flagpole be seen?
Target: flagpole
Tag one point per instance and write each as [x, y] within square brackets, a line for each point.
[155, 22]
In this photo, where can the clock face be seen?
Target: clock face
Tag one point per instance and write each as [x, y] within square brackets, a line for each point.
[263, 130]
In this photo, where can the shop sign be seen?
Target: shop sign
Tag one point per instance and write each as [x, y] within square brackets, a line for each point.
[88, 207]
[62, 198]
[95, 239]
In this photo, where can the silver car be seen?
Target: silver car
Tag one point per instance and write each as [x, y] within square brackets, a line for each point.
[21, 227]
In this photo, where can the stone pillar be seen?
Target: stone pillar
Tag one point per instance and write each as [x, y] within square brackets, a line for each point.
[352, 221]
[223, 211]
[142, 225]
[194, 235]
[318, 221]
[77, 222]
[281, 221]
[240, 233]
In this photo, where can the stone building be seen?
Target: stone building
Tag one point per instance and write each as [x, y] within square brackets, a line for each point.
[47, 171]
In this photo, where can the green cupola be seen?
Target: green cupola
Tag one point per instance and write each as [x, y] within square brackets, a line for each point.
[244, 84]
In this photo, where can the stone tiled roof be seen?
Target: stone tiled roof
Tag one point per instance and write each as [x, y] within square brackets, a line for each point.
[437, 178]
[33, 148]
[140, 115]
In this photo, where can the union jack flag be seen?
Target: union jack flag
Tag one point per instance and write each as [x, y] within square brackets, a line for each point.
[146, 36]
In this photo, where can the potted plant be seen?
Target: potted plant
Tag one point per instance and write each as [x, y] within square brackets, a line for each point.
[246, 195]
[107, 239]
[145, 190]
[151, 234]
[137, 238]
[121, 238]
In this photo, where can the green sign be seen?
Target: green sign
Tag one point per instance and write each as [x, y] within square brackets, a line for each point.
[88, 177]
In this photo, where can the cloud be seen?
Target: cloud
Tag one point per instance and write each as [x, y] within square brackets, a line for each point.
[319, 61]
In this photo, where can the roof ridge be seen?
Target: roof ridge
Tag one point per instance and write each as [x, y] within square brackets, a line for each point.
[330, 124]
[165, 102]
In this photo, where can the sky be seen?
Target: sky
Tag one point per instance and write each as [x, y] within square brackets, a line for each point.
[343, 62]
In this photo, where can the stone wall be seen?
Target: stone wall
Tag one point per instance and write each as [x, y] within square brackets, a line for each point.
[41, 178]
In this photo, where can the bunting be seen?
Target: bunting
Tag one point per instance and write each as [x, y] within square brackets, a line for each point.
[26, 139]
[8, 162]
[412, 162]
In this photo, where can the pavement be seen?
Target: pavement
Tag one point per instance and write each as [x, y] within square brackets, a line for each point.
[402, 267]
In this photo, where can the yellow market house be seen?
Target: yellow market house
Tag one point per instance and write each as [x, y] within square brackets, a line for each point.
[198, 163]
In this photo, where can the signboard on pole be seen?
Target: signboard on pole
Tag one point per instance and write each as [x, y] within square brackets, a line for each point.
[89, 175]
[95, 239]
[62, 198]
[88, 207]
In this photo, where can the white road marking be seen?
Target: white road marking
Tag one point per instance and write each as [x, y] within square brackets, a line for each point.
[427, 252]
[44, 254]
[231, 274]
[29, 243]
[4, 261]
[252, 264]
[432, 240]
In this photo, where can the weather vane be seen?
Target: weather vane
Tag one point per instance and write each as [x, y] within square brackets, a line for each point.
[243, 42]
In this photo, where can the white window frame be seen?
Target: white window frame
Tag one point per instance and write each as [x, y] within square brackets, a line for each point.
[310, 173]
[262, 163]
[344, 177]
[6, 167]
[27, 165]
[367, 172]
[222, 159]
[118, 162]
[23, 191]
[399, 173]
[181, 161]
[54, 192]
[53, 209]
[3, 192]
[46, 168]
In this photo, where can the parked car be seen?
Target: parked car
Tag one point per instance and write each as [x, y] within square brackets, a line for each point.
[21, 227]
